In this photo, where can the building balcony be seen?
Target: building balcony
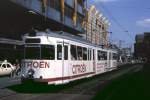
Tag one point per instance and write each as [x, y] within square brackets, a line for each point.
[36, 6]
[29, 4]
[31, 14]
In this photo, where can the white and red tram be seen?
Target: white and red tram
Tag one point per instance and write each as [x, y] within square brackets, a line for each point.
[59, 58]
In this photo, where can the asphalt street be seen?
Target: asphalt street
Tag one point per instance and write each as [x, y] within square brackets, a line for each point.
[84, 91]
[8, 81]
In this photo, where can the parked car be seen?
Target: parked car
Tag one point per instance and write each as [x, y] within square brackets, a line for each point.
[6, 68]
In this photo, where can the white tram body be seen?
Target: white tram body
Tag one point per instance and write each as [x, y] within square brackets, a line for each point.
[58, 58]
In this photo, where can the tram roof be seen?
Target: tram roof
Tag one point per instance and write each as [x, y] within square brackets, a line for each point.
[68, 36]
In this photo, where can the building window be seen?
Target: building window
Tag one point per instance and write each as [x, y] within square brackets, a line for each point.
[68, 12]
[81, 2]
[79, 19]
[103, 28]
[55, 4]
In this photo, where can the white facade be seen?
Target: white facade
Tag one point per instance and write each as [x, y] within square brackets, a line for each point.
[97, 27]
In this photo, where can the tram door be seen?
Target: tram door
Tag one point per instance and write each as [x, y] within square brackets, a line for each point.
[109, 60]
[94, 62]
[62, 58]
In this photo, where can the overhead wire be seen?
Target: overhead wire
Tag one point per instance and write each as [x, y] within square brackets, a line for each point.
[116, 21]
[131, 7]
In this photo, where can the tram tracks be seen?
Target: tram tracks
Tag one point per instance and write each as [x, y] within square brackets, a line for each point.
[86, 88]
[91, 87]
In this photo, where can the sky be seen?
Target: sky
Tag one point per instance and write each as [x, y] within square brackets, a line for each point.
[127, 18]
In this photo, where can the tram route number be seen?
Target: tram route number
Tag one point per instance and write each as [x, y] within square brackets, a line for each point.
[77, 69]
[37, 64]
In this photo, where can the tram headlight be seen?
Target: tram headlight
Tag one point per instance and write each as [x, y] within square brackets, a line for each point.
[23, 76]
[41, 77]
[30, 73]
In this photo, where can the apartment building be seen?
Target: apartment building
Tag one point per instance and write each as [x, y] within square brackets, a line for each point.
[19, 17]
[142, 46]
[97, 27]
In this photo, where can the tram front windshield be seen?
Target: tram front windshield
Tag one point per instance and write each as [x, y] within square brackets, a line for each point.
[32, 52]
[42, 52]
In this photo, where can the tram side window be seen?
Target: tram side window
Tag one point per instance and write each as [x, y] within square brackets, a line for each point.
[48, 52]
[102, 55]
[59, 52]
[89, 54]
[110, 56]
[66, 52]
[79, 51]
[84, 53]
[115, 56]
[99, 55]
[73, 51]
[105, 55]
[93, 54]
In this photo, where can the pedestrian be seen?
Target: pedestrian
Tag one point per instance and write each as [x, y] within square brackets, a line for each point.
[13, 72]
[17, 67]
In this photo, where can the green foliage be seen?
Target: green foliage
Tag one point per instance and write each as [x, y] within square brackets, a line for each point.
[135, 86]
